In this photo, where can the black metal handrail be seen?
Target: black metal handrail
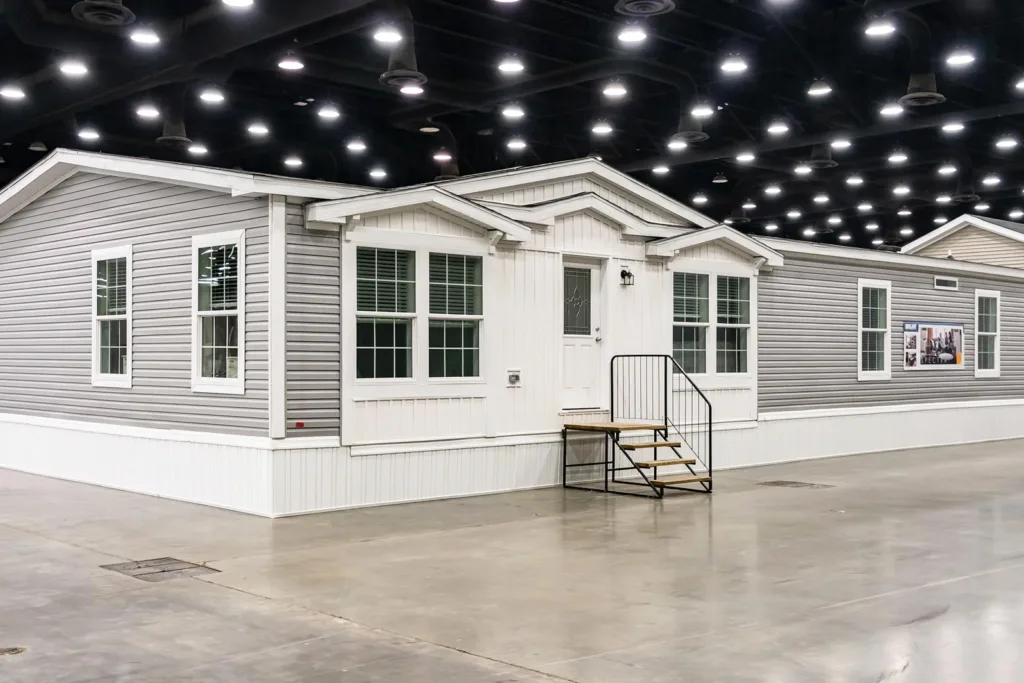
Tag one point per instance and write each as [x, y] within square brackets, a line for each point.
[654, 388]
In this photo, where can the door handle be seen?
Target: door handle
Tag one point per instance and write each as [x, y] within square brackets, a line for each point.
[597, 334]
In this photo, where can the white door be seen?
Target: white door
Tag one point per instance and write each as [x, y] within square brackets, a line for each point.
[582, 368]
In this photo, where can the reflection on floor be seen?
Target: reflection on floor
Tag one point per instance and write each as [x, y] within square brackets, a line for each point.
[910, 569]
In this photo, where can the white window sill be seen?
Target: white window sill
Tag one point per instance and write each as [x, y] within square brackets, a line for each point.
[874, 376]
[112, 381]
[986, 374]
[231, 388]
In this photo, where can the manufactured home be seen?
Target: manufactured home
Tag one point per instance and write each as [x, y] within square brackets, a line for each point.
[282, 346]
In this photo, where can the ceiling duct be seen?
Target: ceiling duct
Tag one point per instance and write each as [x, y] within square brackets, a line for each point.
[922, 91]
[966, 192]
[103, 13]
[689, 129]
[821, 157]
[174, 133]
[644, 8]
[402, 69]
[449, 169]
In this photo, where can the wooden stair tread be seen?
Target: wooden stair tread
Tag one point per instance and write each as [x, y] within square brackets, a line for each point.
[610, 427]
[674, 481]
[653, 444]
[650, 464]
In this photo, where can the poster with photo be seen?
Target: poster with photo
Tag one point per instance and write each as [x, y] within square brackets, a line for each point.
[933, 346]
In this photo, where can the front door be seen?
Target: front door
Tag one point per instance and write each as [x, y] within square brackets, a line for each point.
[581, 337]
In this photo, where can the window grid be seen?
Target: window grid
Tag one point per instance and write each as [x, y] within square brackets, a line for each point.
[383, 348]
[733, 324]
[112, 315]
[987, 333]
[690, 321]
[456, 292]
[385, 280]
[576, 301]
[218, 270]
[874, 328]
[456, 284]
[454, 348]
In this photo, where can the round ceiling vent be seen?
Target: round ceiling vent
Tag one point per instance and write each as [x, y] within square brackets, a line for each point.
[966, 197]
[644, 8]
[821, 157]
[691, 136]
[399, 78]
[922, 92]
[103, 13]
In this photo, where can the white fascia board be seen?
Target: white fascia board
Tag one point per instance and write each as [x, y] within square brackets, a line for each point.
[307, 189]
[722, 233]
[522, 214]
[859, 255]
[339, 211]
[957, 225]
[545, 214]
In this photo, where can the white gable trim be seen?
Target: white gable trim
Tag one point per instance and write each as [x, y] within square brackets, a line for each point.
[957, 225]
[580, 167]
[545, 214]
[735, 239]
[342, 210]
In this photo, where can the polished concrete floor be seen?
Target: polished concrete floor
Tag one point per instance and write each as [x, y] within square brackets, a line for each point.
[910, 569]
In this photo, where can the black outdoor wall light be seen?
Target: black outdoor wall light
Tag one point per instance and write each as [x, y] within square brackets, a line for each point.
[627, 277]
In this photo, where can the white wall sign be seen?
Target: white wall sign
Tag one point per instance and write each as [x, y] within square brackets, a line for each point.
[933, 346]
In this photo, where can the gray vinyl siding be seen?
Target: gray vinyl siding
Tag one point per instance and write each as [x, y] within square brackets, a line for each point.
[46, 299]
[978, 246]
[313, 329]
[807, 337]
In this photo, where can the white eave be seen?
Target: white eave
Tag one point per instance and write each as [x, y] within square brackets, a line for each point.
[965, 221]
[746, 244]
[341, 211]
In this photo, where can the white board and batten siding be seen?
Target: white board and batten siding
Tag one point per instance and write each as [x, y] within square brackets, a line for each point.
[978, 246]
[47, 296]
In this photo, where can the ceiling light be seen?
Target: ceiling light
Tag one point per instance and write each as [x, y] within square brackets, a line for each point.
[148, 111]
[387, 34]
[982, 207]
[290, 62]
[238, 3]
[258, 129]
[89, 134]
[293, 162]
[898, 157]
[803, 169]
[145, 36]
[702, 111]
[211, 96]
[511, 65]
[953, 127]
[991, 180]
[845, 237]
[442, 156]
[36, 146]
[728, 221]
[939, 220]
[771, 227]
[773, 190]
[615, 90]
[841, 143]
[660, 170]
[960, 58]
[411, 90]
[378, 173]
[675, 144]
[1006, 142]
[901, 190]
[810, 232]
[821, 198]
[947, 169]
[356, 146]
[1020, 84]
[904, 212]
[12, 92]
[329, 111]
[855, 181]
[506, 2]
[1015, 214]
[880, 28]
[516, 144]
[891, 110]
[871, 227]
[601, 128]
[719, 179]
[906, 231]
[793, 214]
[632, 35]
[734, 65]
[819, 88]
[198, 149]
[73, 68]
[778, 128]
[878, 241]
[513, 111]
[745, 157]
[943, 199]
[700, 199]
[749, 206]
[835, 220]
[865, 207]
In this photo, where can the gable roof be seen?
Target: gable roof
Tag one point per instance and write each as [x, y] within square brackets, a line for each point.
[61, 164]
[589, 166]
[341, 210]
[745, 243]
[1007, 229]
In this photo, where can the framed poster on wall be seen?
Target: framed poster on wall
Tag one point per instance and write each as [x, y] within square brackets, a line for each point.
[933, 346]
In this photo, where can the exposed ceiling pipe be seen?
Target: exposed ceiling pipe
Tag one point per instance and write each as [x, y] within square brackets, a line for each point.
[31, 28]
[402, 68]
[449, 169]
[174, 134]
[922, 90]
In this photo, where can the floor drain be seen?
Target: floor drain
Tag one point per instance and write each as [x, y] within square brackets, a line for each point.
[160, 569]
[11, 651]
[795, 485]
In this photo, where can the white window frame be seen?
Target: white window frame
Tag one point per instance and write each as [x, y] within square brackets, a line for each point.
[717, 325]
[708, 327]
[874, 375]
[218, 385]
[988, 294]
[413, 317]
[954, 280]
[100, 379]
[428, 317]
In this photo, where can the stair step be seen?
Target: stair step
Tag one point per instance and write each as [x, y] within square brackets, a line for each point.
[650, 464]
[614, 427]
[675, 481]
[653, 444]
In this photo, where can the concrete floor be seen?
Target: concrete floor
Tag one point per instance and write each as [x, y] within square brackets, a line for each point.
[911, 569]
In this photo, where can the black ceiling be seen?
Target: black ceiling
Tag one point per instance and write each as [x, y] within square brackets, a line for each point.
[570, 51]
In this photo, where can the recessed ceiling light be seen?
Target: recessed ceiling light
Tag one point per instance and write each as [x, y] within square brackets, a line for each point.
[901, 190]
[871, 227]
[939, 220]
[632, 34]
[947, 169]
[700, 199]
[991, 180]
[773, 190]
[702, 111]
[291, 62]
[513, 111]
[771, 227]
[865, 207]
[793, 214]
[378, 173]
[745, 157]
[198, 149]
[819, 89]
[943, 199]
[952, 128]
[749, 205]
[845, 237]
[1015, 214]
[676, 144]
[960, 58]
[615, 90]
[810, 232]
[1006, 142]
[442, 156]
[778, 128]
[841, 143]
[891, 110]
[904, 212]
[356, 146]
[982, 207]
[803, 169]
[73, 68]
[89, 134]
[855, 181]
[898, 157]
[906, 231]
[601, 128]
[821, 198]
[411, 90]
[511, 65]
[238, 3]
[386, 34]
[12, 92]
[293, 162]
[660, 170]
[147, 111]
[211, 96]
[835, 220]
[516, 144]
[880, 28]
[258, 129]
[145, 36]
[878, 241]
[734, 65]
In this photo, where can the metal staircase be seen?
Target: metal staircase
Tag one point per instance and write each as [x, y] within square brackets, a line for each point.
[655, 409]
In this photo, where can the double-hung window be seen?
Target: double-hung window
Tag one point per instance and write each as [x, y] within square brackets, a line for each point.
[873, 320]
[218, 271]
[112, 318]
[385, 310]
[698, 335]
[690, 321]
[456, 309]
[733, 324]
[986, 343]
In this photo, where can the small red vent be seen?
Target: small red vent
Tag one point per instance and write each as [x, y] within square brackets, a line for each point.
[300, 425]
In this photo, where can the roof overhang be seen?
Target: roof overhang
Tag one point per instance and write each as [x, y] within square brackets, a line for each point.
[432, 196]
[578, 168]
[965, 221]
[61, 164]
[754, 248]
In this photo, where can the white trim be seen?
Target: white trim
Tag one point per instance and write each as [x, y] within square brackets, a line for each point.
[278, 268]
[108, 380]
[954, 288]
[885, 409]
[546, 213]
[956, 225]
[874, 375]
[745, 243]
[211, 385]
[988, 294]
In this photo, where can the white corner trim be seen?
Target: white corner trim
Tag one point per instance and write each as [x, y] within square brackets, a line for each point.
[278, 315]
[884, 409]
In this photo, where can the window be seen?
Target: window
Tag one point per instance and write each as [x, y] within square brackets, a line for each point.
[112, 326]
[950, 283]
[733, 323]
[690, 321]
[218, 313]
[385, 308]
[576, 301]
[873, 345]
[456, 309]
[986, 345]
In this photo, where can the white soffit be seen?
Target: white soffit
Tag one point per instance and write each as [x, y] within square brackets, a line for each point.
[965, 221]
[754, 248]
